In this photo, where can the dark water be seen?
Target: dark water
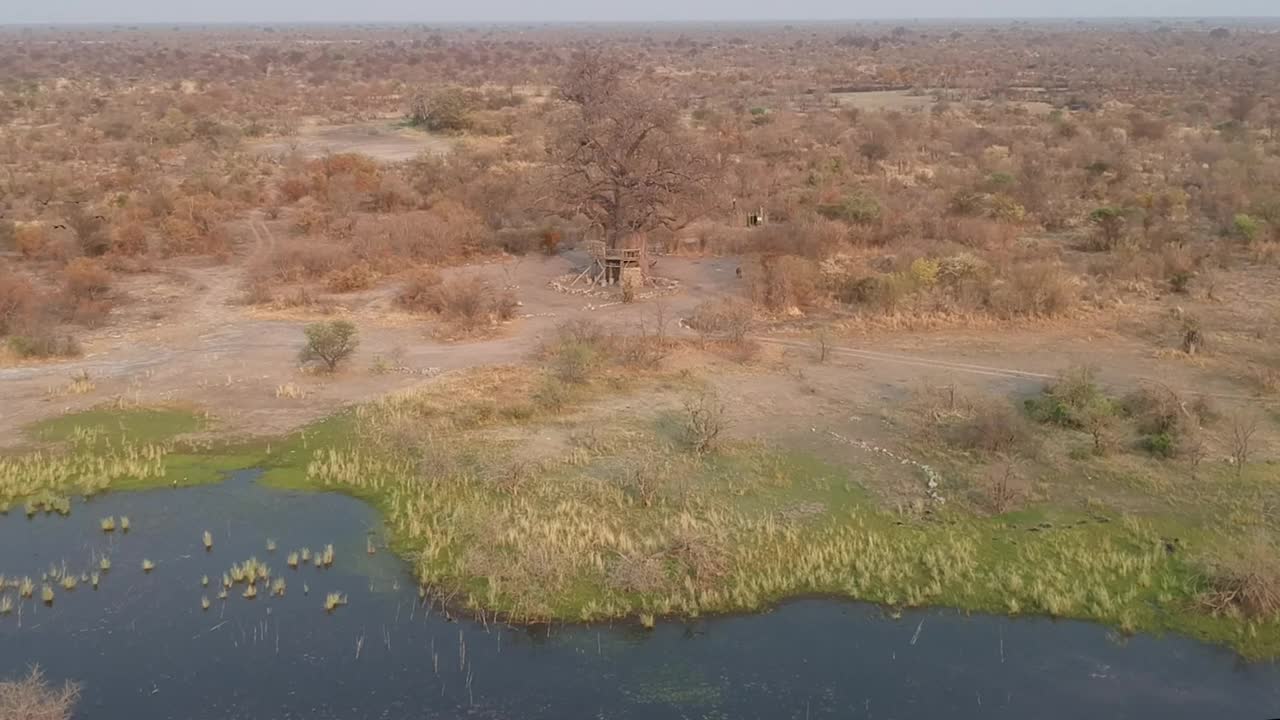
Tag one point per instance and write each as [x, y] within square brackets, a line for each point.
[142, 647]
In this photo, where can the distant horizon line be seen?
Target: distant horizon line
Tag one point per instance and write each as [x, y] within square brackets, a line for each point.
[918, 19]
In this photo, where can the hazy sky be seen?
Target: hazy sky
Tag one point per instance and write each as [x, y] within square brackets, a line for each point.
[134, 11]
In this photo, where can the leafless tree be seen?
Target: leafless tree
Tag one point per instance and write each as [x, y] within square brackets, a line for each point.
[1243, 428]
[1005, 486]
[705, 419]
[625, 161]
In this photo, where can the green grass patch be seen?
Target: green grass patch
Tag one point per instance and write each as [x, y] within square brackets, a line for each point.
[115, 426]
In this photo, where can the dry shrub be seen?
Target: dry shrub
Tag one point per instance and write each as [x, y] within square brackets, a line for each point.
[638, 574]
[17, 301]
[702, 552]
[257, 291]
[1244, 578]
[1160, 409]
[782, 282]
[812, 237]
[351, 279]
[129, 239]
[726, 319]
[706, 417]
[300, 259]
[991, 426]
[467, 303]
[293, 188]
[1267, 379]
[979, 233]
[32, 698]
[447, 231]
[194, 227]
[1265, 252]
[1038, 289]
[420, 292]
[1005, 486]
[85, 279]
[31, 240]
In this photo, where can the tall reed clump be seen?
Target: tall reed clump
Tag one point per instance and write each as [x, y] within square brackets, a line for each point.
[46, 479]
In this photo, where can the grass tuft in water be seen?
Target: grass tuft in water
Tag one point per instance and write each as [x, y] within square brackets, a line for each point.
[204, 602]
[148, 566]
[333, 601]
[124, 523]
[46, 594]
[108, 524]
[208, 541]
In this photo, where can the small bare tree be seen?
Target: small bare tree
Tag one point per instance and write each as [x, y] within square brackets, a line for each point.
[647, 477]
[1006, 487]
[1243, 428]
[704, 420]
[1192, 446]
[823, 341]
[33, 698]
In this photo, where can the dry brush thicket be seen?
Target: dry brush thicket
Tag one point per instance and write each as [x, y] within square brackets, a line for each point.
[973, 181]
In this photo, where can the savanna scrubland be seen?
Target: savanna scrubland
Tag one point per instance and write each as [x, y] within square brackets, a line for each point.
[982, 316]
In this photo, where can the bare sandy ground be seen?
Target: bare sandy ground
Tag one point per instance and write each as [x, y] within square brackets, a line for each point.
[385, 141]
[185, 341]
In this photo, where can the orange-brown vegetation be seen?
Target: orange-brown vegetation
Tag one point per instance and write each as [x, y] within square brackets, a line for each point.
[933, 172]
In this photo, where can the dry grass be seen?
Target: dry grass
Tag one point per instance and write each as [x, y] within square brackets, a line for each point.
[32, 698]
[45, 479]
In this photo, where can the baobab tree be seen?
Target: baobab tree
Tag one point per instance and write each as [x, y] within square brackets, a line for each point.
[624, 159]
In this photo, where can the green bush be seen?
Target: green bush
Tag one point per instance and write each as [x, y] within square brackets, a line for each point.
[329, 343]
[1161, 445]
[1049, 410]
[858, 209]
[1246, 227]
[1069, 399]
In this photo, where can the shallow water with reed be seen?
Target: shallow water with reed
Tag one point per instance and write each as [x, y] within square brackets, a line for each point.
[142, 644]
